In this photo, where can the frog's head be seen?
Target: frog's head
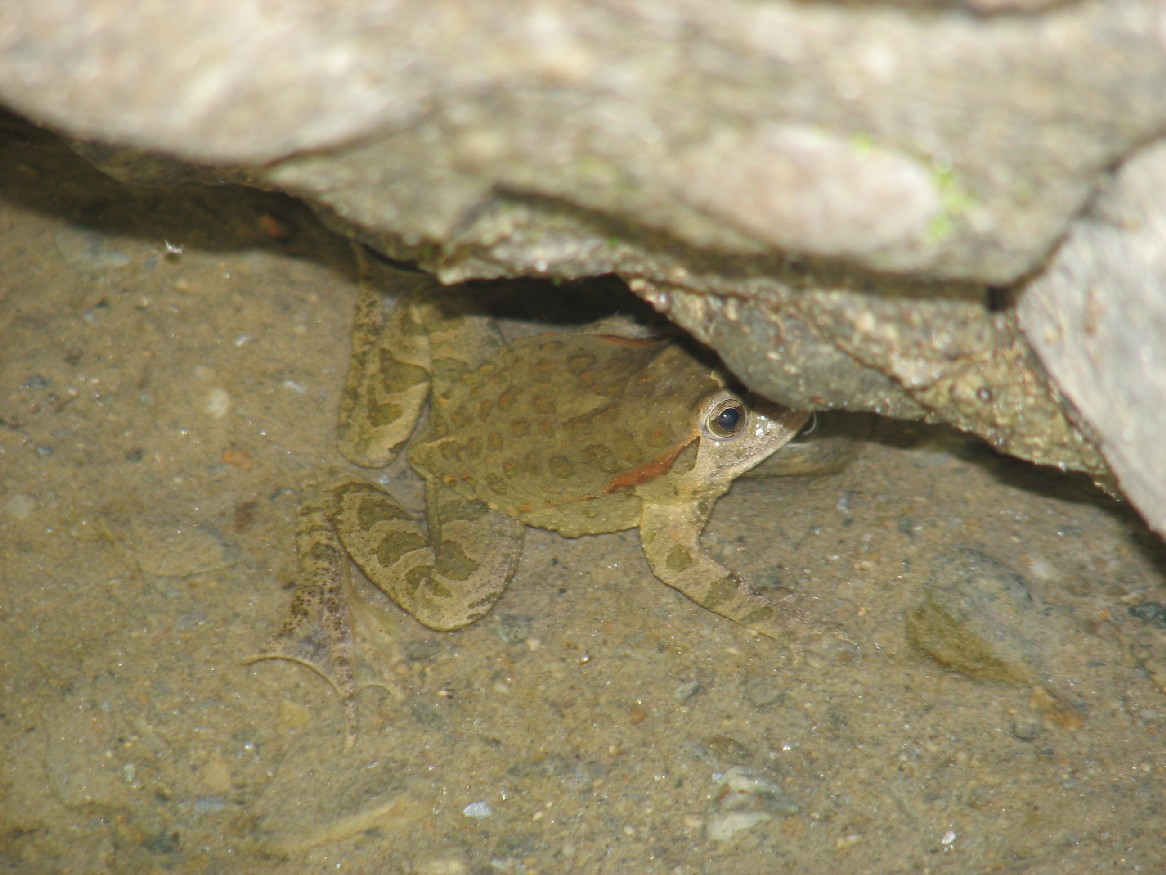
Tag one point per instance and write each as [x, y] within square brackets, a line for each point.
[737, 432]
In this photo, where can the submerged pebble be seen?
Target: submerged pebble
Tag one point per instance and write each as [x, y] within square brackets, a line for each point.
[978, 618]
[686, 691]
[745, 799]
[209, 804]
[722, 827]
[478, 810]
[20, 506]
[178, 549]
[88, 251]
[217, 403]
[1153, 613]
[727, 749]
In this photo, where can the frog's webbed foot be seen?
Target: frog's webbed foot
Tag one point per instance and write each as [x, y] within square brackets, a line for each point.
[444, 588]
[670, 534]
[318, 632]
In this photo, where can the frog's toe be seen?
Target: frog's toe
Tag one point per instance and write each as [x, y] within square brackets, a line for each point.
[309, 639]
[315, 645]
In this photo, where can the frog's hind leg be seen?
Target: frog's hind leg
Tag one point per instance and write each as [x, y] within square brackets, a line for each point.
[433, 336]
[388, 372]
[446, 587]
[318, 631]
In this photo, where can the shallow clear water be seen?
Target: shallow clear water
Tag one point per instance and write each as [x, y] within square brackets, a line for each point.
[160, 410]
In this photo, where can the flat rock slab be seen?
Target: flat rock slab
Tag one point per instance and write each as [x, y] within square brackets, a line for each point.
[830, 195]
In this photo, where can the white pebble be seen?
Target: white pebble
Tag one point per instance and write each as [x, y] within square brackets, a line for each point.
[478, 810]
[19, 506]
[218, 403]
[722, 827]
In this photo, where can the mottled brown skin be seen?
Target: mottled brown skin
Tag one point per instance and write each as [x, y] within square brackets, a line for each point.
[577, 433]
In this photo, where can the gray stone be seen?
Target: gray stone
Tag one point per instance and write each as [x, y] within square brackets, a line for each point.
[825, 193]
[1097, 318]
[978, 618]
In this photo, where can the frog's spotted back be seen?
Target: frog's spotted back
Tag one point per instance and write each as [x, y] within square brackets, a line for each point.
[555, 420]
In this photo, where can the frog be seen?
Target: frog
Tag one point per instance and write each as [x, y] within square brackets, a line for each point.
[584, 432]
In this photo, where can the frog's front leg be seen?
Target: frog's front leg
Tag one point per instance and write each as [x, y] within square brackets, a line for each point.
[670, 534]
[447, 580]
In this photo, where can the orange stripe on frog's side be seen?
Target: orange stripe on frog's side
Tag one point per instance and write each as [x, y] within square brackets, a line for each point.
[650, 471]
[657, 467]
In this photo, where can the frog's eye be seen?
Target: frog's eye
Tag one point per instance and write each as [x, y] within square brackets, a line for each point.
[726, 418]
